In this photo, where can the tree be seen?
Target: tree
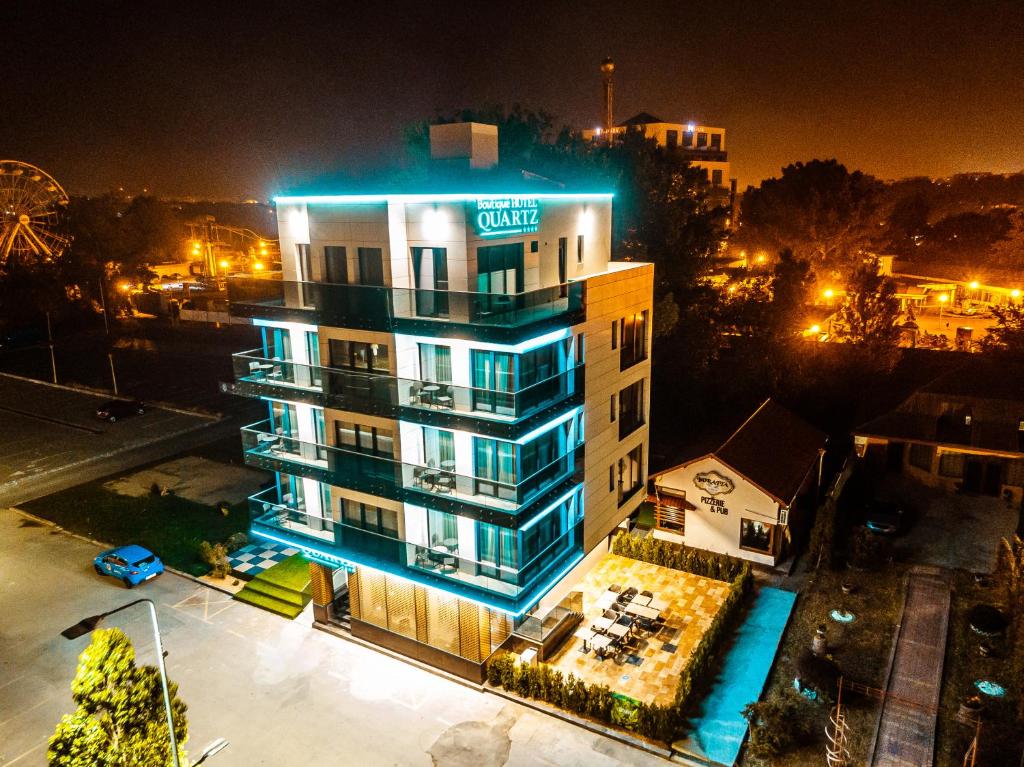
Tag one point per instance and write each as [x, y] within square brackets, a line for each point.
[120, 720]
[1007, 335]
[867, 318]
[819, 210]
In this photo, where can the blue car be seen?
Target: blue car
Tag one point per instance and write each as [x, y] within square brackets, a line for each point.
[132, 564]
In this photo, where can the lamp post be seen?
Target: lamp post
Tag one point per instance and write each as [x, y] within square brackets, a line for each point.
[943, 298]
[88, 625]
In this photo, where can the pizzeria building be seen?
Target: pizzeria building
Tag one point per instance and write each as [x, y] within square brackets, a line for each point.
[744, 498]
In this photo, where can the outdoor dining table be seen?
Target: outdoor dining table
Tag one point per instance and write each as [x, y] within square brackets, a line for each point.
[643, 612]
[641, 600]
[658, 604]
[601, 642]
[603, 624]
[606, 600]
[618, 630]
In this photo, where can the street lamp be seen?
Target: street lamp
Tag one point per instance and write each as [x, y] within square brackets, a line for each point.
[88, 625]
[943, 298]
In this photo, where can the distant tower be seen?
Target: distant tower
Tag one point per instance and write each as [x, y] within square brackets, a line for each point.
[607, 70]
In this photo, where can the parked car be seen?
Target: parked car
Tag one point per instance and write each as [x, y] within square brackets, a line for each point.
[887, 518]
[132, 564]
[119, 408]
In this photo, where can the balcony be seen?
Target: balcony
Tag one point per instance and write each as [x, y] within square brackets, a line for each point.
[495, 317]
[442, 488]
[441, 566]
[505, 415]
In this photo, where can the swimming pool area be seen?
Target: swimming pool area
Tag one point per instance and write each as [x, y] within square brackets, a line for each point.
[719, 730]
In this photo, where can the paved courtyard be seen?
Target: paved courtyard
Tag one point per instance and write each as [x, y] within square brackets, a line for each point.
[279, 691]
[652, 672]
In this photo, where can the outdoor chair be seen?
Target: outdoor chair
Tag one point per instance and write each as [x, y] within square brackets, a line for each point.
[647, 594]
[610, 614]
[617, 608]
[615, 587]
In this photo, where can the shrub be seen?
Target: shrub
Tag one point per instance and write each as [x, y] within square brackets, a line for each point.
[819, 673]
[779, 724]
[216, 556]
[706, 564]
[236, 541]
[867, 550]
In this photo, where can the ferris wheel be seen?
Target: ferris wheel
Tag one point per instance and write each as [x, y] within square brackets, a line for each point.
[31, 208]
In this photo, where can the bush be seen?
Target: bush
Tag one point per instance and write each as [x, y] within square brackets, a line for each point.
[706, 564]
[780, 724]
[236, 541]
[819, 673]
[216, 556]
[867, 550]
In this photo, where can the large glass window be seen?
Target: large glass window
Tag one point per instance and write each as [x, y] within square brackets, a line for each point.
[371, 266]
[542, 534]
[541, 452]
[436, 363]
[951, 464]
[756, 536]
[358, 355]
[500, 268]
[631, 409]
[631, 468]
[336, 264]
[494, 465]
[368, 517]
[439, 448]
[370, 440]
[496, 548]
[493, 381]
[633, 339]
[443, 530]
[922, 455]
[430, 273]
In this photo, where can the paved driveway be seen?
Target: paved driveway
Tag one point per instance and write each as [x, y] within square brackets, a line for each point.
[281, 692]
[951, 530]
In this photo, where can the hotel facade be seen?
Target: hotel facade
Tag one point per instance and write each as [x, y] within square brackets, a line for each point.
[457, 383]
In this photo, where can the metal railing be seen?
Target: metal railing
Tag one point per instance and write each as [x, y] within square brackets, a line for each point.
[378, 393]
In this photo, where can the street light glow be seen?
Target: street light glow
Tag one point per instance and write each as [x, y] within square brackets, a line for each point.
[829, 293]
[1015, 293]
[974, 285]
[943, 297]
[815, 329]
[258, 266]
[224, 264]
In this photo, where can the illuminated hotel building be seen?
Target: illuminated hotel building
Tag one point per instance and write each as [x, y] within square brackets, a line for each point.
[457, 383]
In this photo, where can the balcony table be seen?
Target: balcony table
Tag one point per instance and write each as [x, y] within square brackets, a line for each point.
[448, 465]
[451, 543]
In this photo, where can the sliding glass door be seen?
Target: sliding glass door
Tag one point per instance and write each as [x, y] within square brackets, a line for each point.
[430, 273]
[494, 464]
[494, 381]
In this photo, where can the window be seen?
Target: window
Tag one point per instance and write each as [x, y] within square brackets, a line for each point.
[358, 355]
[563, 256]
[494, 465]
[634, 339]
[630, 473]
[615, 334]
[671, 139]
[756, 536]
[542, 534]
[951, 464]
[496, 548]
[499, 268]
[371, 266]
[534, 246]
[688, 138]
[369, 517]
[579, 248]
[539, 453]
[336, 261]
[443, 529]
[611, 479]
[921, 456]
[702, 139]
[716, 177]
[613, 409]
[579, 358]
[305, 261]
[631, 409]
[716, 140]
[493, 381]
[540, 364]
[436, 363]
[430, 275]
[370, 440]
[1015, 473]
[439, 448]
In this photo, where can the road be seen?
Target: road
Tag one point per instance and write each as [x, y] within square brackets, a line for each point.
[281, 692]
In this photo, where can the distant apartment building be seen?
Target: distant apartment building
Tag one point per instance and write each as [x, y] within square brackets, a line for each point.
[702, 145]
[457, 384]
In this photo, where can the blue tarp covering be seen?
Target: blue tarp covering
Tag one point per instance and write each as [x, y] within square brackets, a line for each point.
[719, 730]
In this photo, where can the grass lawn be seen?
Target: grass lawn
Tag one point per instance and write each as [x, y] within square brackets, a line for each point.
[283, 589]
[861, 649]
[1002, 737]
[170, 526]
[645, 516]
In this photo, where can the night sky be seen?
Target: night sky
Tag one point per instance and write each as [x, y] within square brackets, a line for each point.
[233, 99]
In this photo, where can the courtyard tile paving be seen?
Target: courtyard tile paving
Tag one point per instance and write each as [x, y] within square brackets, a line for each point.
[651, 673]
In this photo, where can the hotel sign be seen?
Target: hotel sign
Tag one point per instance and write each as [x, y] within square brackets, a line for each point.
[506, 216]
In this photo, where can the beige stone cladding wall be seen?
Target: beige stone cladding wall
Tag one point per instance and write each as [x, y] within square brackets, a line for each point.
[625, 289]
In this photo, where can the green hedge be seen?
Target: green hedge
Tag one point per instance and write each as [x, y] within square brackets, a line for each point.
[598, 702]
[706, 564]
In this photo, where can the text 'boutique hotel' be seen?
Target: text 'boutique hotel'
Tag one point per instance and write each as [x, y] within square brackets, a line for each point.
[457, 383]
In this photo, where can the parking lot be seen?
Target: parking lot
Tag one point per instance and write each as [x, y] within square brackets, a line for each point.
[50, 430]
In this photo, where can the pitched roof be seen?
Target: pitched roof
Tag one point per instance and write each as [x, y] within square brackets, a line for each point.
[774, 449]
[643, 118]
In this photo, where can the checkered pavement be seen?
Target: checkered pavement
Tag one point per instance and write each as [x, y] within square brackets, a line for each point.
[253, 559]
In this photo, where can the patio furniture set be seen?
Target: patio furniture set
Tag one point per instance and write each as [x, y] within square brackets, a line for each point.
[430, 477]
[434, 396]
[441, 557]
[627, 615]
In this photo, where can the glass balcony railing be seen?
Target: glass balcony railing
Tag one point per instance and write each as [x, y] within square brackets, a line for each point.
[377, 550]
[377, 394]
[393, 479]
[371, 307]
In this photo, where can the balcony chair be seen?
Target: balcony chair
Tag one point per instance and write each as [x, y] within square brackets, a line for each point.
[254, 370]
[445, 483]
[414, 394]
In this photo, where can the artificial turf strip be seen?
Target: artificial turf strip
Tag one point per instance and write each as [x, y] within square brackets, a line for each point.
[283, 589]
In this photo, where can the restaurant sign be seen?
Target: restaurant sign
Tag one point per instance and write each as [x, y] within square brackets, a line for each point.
[506, 216]
[714, 484]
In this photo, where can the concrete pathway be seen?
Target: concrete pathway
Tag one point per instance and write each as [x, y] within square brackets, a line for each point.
[906, 733]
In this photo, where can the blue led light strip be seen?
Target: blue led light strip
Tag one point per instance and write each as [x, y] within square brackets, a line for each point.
[343, 199]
